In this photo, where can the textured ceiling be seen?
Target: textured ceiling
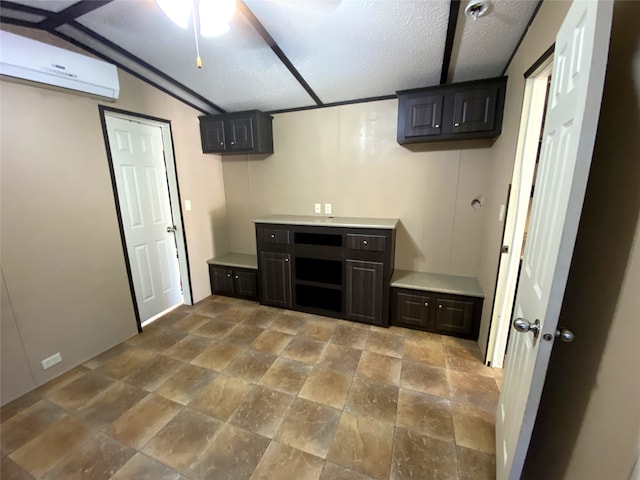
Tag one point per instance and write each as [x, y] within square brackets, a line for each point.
[359, 49]
[240, 71]
[485, 44]
[288, 54]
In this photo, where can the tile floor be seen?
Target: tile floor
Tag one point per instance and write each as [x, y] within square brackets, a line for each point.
[229, 389]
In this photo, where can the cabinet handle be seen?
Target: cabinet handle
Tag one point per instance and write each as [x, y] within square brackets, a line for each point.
[426, 304]
[286, 259]
[364, 242]
[228, 275]
[456, 124]
[233, 143]
[221, 144]
[439, 306]
[237, 276]
[437, 126]
[273, 235]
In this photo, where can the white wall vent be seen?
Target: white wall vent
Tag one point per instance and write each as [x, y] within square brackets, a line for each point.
[33, 61]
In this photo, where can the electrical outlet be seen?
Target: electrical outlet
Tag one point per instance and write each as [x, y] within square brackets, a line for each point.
[327, 208]
[51, 361]
[318, 208]
[501, 213]
[187, 205]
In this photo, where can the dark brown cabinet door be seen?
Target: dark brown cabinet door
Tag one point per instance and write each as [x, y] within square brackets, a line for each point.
[423, 116]
[475, 110]
[244, 284]
[413, 310]
[234, 282]
[221, 280]
[454, 316]
[275, 276]
[212, 136]
[240, 134]
[364, 291]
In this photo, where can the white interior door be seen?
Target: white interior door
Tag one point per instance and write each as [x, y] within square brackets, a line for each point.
[519, 198]
[141, 180]
[569, 133]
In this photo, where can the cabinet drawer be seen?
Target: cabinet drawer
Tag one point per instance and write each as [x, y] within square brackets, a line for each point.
[372, 243]
[272, 235]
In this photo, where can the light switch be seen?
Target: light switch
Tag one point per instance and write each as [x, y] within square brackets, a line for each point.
[501, 214]
[187, 205]
[318, 208]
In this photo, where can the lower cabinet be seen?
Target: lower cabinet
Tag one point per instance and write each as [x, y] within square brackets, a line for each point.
[335, 271]
[235, 282]
[456, 315]
[275, 278]
[365, 288]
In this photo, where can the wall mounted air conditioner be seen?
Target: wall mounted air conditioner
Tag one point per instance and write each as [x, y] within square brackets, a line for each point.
[26, 59]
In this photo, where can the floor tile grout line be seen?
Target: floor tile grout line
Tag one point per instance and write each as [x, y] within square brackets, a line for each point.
[352, 375]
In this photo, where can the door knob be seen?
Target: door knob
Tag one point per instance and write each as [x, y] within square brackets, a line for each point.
[565, 335]
[522, 325]
[171, 229]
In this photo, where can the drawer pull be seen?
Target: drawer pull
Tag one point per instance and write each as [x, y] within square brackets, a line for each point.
[426, 304]
[364, 242]
[440, 306]
[237, 276]
[273, 235]
[286, 259]
[228, 275]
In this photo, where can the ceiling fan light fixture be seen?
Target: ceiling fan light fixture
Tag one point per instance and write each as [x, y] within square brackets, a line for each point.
[213, 29]
[178, 11]
[476, 9]
[215, 16]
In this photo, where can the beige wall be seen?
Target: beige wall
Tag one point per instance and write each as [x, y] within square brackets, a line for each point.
[539, 38]
[348, 156]
[588, 424]
[62, 257]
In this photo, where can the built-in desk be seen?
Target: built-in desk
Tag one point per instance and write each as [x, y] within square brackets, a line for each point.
[332, 266]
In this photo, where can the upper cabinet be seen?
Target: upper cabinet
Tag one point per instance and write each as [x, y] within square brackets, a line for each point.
[234, 133]
[456, 111]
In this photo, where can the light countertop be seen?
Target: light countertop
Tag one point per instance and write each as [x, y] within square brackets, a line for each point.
[238, 260]
[328, 221]
[437, 282]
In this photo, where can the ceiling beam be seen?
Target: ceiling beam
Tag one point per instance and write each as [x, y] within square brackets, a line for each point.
[137, 60]
[335, 104]
[71, 13]
[17, 21]
[26, 8]
[454, 9]
[249, 15]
